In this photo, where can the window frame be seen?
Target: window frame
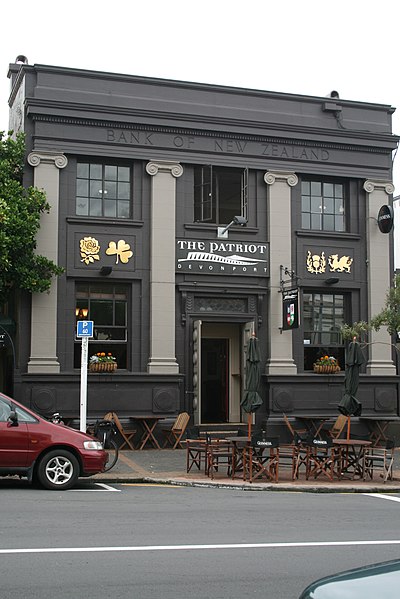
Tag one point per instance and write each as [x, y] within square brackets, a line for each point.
[323, 215]
[313, 350]
[207, 193]
[105, 181]
[87, 293]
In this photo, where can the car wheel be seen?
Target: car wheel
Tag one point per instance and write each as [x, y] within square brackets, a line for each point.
[58, 469]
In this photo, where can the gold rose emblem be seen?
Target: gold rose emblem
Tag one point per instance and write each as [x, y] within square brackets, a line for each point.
[90, 249]
[122, 250]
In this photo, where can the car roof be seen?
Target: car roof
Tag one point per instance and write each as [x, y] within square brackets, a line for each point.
[381, 580]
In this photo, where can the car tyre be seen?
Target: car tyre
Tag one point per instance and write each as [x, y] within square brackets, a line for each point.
[58, 470]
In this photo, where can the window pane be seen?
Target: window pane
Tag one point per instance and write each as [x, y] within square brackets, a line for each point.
[123, 173]
[120, 313]
[110, 208]
[95, 207]
[123, 191]
[305, 221]
[82, 187]
[96, 189]
[305, 204]
[338, 190]
[101, 311]
[96, 171]
[329, 222]
[123, 209]
[328, 190]
[316, 222]
[110, 189]
[82, 206]
[305, 188]
[339, 223]
[82, 170]
[328, 206]
[110, 173]
[316, 204]
[316, 188]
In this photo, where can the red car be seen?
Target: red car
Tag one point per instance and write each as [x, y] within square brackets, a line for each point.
[53, 455]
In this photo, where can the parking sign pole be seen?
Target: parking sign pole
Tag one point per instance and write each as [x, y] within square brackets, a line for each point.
[84, 329]
[83, 395]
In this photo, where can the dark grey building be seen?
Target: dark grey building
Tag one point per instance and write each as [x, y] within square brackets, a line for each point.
[144, 176]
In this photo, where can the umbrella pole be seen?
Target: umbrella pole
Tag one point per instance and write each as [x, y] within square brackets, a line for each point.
[348, 427]
[249, 425]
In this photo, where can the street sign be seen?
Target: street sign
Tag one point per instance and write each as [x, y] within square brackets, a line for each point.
[84, 328]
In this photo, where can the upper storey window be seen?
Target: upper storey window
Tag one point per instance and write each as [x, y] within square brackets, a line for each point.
[103, 190]
[220, 194]
[322, 206]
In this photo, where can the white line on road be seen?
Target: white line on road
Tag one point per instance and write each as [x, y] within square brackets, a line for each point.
[381, 496]
[103, 485]
[200, 547]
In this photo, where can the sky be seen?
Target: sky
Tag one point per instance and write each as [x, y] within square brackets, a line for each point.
[305, 47]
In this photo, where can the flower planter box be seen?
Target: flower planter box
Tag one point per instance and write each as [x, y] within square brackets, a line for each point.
[103, 367]
[326, 369]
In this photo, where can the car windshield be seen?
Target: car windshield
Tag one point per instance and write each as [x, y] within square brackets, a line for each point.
[6, 407]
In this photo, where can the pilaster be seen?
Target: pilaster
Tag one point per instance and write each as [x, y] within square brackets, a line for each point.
[280, 240]
[379, 276]
[162, 264]
[43, 358]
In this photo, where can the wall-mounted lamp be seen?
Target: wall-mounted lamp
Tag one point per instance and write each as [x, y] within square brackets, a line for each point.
[105, 271]
[81, 313]
[331, 281]
[222, 232]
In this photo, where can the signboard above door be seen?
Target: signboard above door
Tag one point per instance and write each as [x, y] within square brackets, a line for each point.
[222, 257]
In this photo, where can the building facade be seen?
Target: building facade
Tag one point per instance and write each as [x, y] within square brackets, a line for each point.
[181, 213]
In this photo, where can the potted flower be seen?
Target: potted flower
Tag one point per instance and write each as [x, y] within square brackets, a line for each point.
[102, 362]
[326, 365]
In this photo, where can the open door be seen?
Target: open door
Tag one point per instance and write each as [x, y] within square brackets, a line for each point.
[197, 371]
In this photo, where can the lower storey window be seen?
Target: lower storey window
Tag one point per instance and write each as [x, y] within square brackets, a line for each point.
[107, 306]
[323, 316]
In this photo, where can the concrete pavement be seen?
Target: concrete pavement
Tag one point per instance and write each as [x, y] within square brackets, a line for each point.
[168, 466]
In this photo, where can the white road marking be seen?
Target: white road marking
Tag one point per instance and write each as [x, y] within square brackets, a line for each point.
[141, 548]
[382, 496]
[103, 485]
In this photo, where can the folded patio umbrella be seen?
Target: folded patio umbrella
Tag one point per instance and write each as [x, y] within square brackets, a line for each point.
[349, 405]
[251, 400]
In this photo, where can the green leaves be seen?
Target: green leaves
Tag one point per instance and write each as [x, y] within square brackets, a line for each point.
[20, 211]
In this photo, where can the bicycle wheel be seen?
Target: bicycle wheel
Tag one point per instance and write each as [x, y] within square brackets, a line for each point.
[112, 449]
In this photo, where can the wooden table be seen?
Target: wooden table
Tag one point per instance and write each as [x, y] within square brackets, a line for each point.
[239, 445]
[353, 456]
[148, 423]
[377, 426]
[313, 424]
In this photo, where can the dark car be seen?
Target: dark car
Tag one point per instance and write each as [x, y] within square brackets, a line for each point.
[369, 582]
[52, 455]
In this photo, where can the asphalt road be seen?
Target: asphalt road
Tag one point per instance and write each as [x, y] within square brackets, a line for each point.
[145, 542]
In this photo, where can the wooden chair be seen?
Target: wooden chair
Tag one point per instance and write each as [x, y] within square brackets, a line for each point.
[219, 452]
[380, 458]
[261, 459]
[173, 435]
[196, 450]
[127, 433]
[323, 458]
[337, 428]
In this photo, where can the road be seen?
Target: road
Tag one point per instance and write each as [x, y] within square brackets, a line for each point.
[145, 542]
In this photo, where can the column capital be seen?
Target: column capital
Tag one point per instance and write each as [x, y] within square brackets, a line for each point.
[288, 177]
[164, 166]
[380, 184]
[59, 160]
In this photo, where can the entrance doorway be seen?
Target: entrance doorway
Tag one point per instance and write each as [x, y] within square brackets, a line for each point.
[219, 370]
[214, 381]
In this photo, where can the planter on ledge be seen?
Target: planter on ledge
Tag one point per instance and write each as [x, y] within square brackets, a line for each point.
[326, 369]
[103, 367]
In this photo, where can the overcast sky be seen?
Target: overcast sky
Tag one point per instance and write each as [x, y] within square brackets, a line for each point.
[305, 47]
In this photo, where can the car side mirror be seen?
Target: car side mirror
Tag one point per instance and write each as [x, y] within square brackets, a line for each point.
[13, 418]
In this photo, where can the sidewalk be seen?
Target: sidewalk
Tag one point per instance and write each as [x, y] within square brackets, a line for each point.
[168, 466]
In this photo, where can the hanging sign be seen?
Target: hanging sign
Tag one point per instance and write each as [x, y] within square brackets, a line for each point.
[385, 219]
[290, 309]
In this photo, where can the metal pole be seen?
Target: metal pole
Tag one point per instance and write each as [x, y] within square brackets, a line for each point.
[83, 396]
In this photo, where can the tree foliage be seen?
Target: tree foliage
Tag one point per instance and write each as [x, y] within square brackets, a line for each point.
[20, 210]
[390, 313]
